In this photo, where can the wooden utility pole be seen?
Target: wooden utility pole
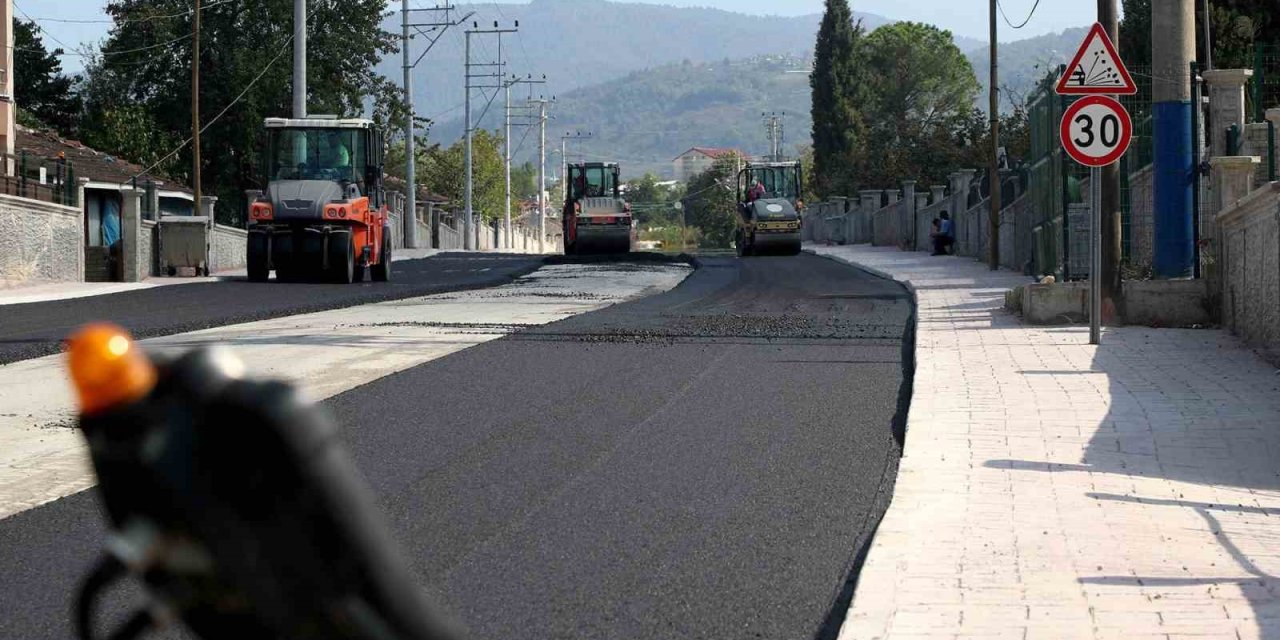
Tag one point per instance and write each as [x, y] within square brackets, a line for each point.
[195, 107]
[1110, 228]
[993, 180]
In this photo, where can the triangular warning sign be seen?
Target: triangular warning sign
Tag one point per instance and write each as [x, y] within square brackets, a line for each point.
[1096, 69]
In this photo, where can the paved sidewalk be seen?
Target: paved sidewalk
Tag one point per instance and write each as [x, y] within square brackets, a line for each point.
[1050, 489]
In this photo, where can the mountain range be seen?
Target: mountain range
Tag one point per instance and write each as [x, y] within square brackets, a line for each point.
[579, 43]
[651, 81]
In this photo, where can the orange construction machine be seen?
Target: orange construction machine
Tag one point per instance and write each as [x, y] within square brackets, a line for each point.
[324, 214]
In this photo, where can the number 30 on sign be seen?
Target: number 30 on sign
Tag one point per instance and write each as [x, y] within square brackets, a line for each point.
[1096, 131]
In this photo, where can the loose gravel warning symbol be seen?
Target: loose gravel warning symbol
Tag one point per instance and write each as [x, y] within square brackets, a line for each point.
[1096, 69]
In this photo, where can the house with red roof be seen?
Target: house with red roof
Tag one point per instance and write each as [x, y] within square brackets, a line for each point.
[699, 159]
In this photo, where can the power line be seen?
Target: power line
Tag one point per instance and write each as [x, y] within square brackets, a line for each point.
[126, 21]
[1024, 22]
[283, 49]
[66, 46]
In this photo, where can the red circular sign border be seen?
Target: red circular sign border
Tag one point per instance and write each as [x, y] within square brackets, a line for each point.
[1126, 121]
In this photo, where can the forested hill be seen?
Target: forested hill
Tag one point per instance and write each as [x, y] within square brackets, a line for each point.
[579, 43]
[646, 118]
[1024, 63]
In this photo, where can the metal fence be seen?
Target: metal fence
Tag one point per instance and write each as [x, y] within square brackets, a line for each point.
[1266, 80]
[1056, 182]
[38, 178]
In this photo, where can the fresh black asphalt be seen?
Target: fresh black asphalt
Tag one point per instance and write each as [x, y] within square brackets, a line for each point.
[705, 463]
[38, 329]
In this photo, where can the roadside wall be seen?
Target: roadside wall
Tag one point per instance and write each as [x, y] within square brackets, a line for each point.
[228, 248]
[149, 249]
[40, 241]
[1250, 233]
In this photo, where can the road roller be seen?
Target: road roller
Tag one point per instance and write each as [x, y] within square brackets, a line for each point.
[769, 209]
[596, 219]
[323, 216]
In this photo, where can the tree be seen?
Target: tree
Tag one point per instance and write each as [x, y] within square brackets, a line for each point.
[710, 205]
[40, 87]
[837, 84]
[245, 53]
[921, 92]
[1135, 33]
[442, 170]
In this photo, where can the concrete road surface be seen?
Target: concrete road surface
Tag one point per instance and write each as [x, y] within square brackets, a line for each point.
[704, 463]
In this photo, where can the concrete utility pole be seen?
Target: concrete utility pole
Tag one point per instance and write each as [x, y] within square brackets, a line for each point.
[564, 160]
[437, 27]
[470, 241]
[195, 109]
[1110, 225]
[507, 142]
[410, 152]
[299, 58]
[1173, 47]
[542, 174]
[993, 180]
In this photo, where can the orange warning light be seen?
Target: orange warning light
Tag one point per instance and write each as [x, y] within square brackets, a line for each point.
[107, 369]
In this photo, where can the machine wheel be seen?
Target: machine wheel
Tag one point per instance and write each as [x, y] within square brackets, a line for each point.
[381, 272]
[342, 258]
[256, 258]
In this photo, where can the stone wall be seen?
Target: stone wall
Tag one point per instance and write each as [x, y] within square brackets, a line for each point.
[40, 241]
[449, 236]
[1141, 230]
[149, 250]
[228, 248]
[1250, 236]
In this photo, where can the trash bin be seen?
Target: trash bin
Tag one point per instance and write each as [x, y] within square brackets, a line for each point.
[185, 245]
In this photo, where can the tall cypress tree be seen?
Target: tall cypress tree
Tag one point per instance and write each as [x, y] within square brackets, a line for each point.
[838, 128]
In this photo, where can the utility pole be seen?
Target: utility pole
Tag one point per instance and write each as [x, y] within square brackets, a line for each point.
[195, 109]
[993, 180]
[1173, 46]
[775, 125]
[299, 58]
[410, 214]
[1110, 226]
[564, 159]
[437, 27]
[469, 202]
[507, 142]
[542, 173]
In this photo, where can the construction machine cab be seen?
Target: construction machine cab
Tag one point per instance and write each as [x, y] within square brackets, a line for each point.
[779, 180]
[346, 153]
[594, 180]
[769, 197]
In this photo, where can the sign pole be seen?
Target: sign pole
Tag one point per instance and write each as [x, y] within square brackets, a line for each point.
[1095, 256]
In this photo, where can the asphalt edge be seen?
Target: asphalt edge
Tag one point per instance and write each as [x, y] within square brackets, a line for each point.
[391, 295]
[843, 602]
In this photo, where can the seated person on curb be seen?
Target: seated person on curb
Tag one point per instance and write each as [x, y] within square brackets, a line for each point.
[943, 236]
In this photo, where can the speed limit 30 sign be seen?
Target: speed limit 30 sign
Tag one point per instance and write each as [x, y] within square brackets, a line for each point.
[1096, 131]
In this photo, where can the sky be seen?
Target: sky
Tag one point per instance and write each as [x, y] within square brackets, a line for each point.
[963, 17]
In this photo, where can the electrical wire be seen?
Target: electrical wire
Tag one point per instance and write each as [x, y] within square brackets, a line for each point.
[283, 49]
[127, 21]
[41, 29]
[1000, 5]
